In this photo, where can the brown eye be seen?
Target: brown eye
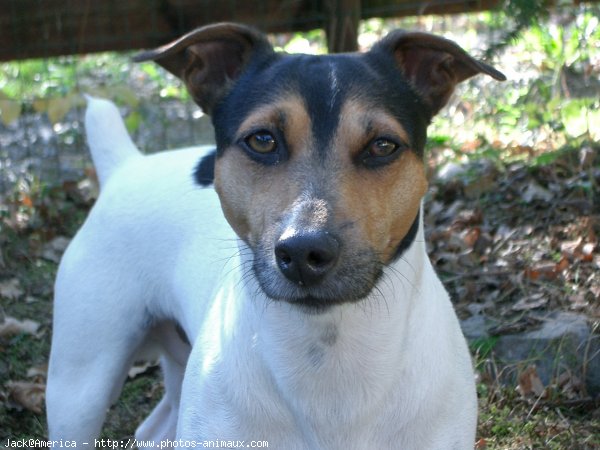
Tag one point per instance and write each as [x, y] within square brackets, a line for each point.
[261, 142]
[380, 148]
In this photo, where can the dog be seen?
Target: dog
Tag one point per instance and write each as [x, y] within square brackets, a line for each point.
[283, 275]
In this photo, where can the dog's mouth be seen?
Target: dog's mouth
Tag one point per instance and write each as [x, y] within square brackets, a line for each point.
[350, 281]
[312, 304]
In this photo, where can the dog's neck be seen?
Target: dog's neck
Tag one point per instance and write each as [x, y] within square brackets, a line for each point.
[350, 348]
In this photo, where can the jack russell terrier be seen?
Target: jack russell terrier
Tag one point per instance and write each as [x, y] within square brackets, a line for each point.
[283, 275]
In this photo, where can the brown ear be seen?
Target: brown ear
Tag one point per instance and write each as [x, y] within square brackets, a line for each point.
[209, 58]
[434, 65]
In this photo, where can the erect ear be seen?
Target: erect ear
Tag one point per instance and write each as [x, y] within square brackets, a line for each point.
[433, 65]
[209, 59]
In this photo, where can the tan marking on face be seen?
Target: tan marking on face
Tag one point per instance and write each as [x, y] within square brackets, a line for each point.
[254, 196]
[288, 115]
[381, 203]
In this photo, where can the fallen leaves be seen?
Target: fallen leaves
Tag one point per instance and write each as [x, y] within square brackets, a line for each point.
[141, 368]
[11, 289]
[524, 237]
[530, 384]
[10, 111]
[26, 395]
[579, 249]
[53, 250]
[546, 271]
[537, 300]
[11, 327]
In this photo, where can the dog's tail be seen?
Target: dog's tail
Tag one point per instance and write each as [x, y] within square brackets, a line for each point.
[108, 139]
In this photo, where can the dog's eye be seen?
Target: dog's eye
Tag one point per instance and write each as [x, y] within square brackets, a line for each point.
[381, 148]
[381, 151]
[261, 142]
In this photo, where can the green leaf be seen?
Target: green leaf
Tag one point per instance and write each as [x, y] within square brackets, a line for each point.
[546, 158]
[133, 121]
[58, 108]
[483, 346]
[126, 95]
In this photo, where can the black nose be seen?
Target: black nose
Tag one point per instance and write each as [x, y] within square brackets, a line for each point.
[306, 258]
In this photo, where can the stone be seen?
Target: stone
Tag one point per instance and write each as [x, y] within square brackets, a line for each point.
[564, 342]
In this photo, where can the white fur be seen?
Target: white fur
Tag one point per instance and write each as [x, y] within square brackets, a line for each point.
[390, 372]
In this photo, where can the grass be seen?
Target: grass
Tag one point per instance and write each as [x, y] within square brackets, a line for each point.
[509, 421]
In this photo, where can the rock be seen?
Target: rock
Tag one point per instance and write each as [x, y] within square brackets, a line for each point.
[54, 249]
[563, 343]
[475, 327]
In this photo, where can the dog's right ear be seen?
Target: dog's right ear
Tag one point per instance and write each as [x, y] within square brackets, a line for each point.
[209, 59]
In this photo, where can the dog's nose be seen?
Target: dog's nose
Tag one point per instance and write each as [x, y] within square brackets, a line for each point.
[306, 258]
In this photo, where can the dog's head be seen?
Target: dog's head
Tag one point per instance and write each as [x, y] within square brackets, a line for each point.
[319, 163]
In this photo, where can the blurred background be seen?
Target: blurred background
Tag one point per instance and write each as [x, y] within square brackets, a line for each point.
[513, 215]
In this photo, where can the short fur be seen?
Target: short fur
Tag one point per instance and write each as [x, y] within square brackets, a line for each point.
[315, 318]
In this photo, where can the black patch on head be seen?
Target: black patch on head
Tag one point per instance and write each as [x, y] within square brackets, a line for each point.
[373, 77]
[391, 90]
[322, 88]
[325, 83]
[204, 173]
[408, 239]
[258, 85]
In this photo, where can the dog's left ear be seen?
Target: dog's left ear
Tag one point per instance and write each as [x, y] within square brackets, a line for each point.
[433, 65]
[209, 59]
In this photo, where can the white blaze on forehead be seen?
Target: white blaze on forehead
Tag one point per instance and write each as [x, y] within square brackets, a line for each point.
[334, 85]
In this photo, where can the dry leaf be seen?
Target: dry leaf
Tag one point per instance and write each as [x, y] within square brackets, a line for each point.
[531, 302]
[40, 105]
[587, 252]
[141, 368]
[37, 371]
[470, 236]
[536, 192]
[12, 326]
[562, 265]
[481, 444]
[31, 299]
[54, 249]
[26, 201]
[27, 395]
[10, 111]
[58, 108]
[547, 271]
[530, 383]
[571, 248]
[127, 95]
[11, 289]
[578, 301]
[471, 146]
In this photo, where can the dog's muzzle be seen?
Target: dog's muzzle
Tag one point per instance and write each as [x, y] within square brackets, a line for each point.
[307, 259]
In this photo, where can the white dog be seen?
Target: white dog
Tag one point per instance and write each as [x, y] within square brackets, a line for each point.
[302, 281]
